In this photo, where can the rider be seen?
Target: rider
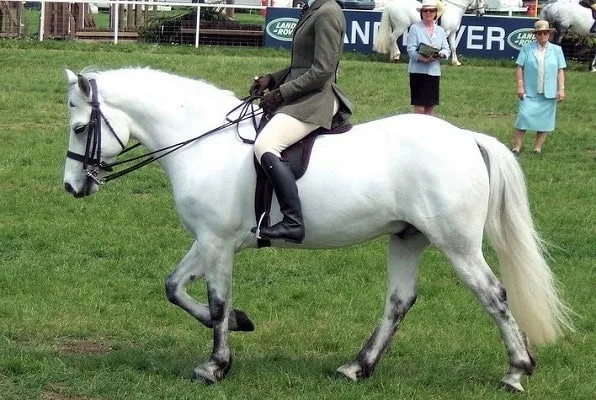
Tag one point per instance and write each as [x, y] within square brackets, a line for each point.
[590, 4]
[300, 99]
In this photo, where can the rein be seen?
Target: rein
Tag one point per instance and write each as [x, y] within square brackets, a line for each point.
[92, 156]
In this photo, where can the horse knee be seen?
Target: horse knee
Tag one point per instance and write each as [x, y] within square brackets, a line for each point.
[217, 307]
[172, 284]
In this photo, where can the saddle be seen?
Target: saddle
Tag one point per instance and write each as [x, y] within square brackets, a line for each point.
[298, 157]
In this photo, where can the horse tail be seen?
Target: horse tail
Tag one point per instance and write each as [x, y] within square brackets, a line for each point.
[381, 44]
[530, 284]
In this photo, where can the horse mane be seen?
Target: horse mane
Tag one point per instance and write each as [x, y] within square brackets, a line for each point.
[162, 88]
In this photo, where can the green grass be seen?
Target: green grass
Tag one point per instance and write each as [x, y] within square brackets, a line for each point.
[83, 313]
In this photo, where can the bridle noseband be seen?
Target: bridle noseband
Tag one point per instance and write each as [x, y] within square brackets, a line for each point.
[92, 162]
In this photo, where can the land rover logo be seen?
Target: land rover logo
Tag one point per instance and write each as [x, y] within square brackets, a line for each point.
[519, 37]
[282, 28]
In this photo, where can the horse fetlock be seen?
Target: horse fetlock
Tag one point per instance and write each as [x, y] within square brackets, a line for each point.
[211, 371]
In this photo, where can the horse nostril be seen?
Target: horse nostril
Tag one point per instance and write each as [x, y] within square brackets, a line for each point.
[68, 188]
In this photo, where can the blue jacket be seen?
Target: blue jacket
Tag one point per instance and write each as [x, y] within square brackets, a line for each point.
[417, 35]
[553, 61]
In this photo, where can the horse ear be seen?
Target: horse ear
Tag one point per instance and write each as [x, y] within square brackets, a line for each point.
[72, 78]
[84, 85]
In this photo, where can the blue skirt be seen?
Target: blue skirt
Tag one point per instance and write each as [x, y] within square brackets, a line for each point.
[537, 114]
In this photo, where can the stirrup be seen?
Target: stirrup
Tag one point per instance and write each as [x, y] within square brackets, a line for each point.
[258, 230]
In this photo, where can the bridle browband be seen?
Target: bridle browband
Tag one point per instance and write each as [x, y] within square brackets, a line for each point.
[92, 162]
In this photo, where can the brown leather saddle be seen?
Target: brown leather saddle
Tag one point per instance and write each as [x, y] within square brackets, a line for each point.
[298, 156]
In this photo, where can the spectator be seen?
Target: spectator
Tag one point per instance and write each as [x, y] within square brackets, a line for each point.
[540, 76]
[424, 67]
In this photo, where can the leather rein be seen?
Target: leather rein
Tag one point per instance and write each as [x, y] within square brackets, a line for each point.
[92, 162]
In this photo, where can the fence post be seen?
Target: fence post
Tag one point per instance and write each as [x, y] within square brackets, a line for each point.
[116, 20]
[198, 25]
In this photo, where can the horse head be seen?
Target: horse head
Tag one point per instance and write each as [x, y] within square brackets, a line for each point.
[97, 136]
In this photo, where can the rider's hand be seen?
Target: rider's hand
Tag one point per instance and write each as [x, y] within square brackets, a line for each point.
[271, 101]
[259, 84]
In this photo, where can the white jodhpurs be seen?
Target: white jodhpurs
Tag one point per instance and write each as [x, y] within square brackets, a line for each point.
[281, 132]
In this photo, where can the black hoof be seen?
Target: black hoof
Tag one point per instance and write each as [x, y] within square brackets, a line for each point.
[243, 323]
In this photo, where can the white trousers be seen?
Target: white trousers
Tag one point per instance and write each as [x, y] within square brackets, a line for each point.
[282, 132]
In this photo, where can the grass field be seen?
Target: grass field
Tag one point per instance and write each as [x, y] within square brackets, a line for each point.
[83, 314]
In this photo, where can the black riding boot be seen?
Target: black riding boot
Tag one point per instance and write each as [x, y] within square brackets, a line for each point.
[291, 227]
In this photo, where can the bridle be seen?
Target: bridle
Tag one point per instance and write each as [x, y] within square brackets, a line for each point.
[93, 164]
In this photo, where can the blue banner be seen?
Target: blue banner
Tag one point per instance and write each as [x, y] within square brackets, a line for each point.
[487, 36]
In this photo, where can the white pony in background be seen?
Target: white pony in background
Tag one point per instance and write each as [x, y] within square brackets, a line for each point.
[567, 16]
[415, 179]
[398, 15]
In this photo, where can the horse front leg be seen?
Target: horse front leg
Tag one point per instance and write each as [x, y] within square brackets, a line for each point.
[404, 256]
[394, 53]
[189, 270]
[453, 48]
[218, 275]
[593, 65]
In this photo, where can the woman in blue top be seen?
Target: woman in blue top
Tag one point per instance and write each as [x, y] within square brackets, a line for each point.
[540, 75]
[425, 70]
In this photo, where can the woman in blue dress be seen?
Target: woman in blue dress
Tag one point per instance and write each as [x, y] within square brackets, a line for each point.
[540, 75]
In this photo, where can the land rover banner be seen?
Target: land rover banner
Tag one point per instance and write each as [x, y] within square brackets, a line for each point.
[488, 36]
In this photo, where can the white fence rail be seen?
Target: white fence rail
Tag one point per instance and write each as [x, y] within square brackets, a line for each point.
[115, 30]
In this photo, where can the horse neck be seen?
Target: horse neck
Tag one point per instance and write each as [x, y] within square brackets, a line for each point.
[159, 118]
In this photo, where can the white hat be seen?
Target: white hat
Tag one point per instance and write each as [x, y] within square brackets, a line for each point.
[542, 25]
[437, 4]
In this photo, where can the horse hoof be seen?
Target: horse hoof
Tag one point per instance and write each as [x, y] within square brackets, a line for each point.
[394, 60]
[511, 386]
[351, 371]
[209, 373]
[239, 321]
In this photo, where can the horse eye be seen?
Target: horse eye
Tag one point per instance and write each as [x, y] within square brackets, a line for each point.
[80, 129]
[71, 104]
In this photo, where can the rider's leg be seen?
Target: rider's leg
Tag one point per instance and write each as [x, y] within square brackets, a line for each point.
[281, 132]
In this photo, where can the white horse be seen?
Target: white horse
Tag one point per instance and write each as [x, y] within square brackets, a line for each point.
[398, 15]
[415, 179]
[567, 16]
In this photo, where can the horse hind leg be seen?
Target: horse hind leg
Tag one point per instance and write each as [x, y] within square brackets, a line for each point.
[187, 271]
[473, 270]
[404, 256]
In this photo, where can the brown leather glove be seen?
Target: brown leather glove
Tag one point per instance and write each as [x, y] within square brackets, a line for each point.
[271, 101]
[259, 84]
